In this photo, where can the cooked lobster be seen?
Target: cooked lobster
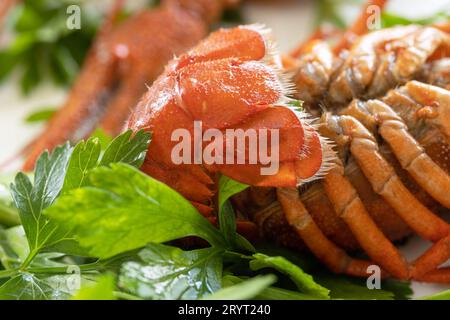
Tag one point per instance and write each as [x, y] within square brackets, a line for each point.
[372, 169]
[387, 176]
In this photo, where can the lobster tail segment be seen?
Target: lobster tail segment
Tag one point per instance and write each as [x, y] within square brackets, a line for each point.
[232, 84]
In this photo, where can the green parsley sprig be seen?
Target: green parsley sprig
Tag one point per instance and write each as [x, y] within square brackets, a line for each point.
[89, 208]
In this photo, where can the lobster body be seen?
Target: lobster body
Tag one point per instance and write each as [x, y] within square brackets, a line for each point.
[384, 181]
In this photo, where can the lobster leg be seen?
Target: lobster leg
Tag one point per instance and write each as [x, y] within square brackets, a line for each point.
[385, 181]
[124, 55]
[435, 104]
[409, 56]
[437, 73]
[190, 184]
[350, 208]
[321, 33]
[358, 71]
[84, 102]
[118, 109]
[437, 276]
[419, 47]
[86, 97]
[410, 154]
[432, 258]
[334, 257]
[312, 82]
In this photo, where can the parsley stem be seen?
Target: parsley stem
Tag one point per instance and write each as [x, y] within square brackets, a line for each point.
[7, 273]
[83, 267]
[232, 254]
[29, 259]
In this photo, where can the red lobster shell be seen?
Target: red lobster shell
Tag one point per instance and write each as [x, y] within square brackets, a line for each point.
[231, 80]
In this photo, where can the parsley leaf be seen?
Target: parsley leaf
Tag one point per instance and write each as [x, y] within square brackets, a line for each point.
[127, 149]
[31, 199]
[245, 289]
[228, 188]
[269, 293]
[9, 258]
[330, 11]
[342, 287]
[102, 289]
[227, 224]
[125, 209]
[170, 273]
[65, 169]
[104, 138]
[390, 19]
[42, 115]
[84, 158]
[8, 214]
[296, 104]
[39, 281]
[28, 286]
[444, 295]
[401, 290]
[304, 281]
[13, 247]
[227, 219]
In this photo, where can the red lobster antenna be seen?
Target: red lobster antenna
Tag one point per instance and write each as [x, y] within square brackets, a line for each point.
[359, 27]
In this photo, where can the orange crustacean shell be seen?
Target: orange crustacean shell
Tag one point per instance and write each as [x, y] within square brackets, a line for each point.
[231, 80]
